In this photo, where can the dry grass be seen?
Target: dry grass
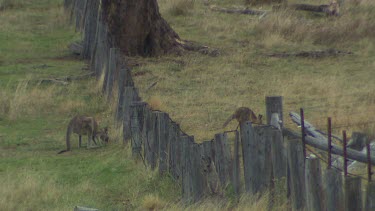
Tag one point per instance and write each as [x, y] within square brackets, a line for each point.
[152, 202]
[179, 7]
[200, 92]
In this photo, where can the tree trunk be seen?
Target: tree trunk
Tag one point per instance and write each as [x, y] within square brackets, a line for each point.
[137, 28]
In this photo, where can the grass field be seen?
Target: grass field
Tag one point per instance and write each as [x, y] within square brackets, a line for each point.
[198, 91]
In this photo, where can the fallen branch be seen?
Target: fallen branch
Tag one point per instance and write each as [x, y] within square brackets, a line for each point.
[310, 129]
[312, 54]
[239, 11]
[331, 9]
[65, 80]
[322, 145]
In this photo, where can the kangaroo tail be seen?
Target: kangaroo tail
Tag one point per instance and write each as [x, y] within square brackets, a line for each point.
[68, 133]
[62, 151]
[228, 120]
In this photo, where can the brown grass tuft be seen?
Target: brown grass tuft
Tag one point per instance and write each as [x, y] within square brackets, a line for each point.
[180, 7]
[152, 202]
[155, 103]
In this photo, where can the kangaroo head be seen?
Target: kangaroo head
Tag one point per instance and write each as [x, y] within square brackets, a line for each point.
[103, 135]
[260, 117]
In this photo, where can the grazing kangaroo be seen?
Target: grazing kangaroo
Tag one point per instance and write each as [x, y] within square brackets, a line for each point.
[244, 114]
[84, 125]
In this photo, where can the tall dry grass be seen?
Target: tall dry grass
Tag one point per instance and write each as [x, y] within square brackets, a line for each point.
[354, 24]
[179, 7]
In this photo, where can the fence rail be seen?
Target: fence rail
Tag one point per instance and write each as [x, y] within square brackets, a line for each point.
[260, 156]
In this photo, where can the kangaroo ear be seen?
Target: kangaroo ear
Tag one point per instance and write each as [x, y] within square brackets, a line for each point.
[260, 116]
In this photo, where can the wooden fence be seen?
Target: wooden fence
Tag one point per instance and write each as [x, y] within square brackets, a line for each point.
[250, 163]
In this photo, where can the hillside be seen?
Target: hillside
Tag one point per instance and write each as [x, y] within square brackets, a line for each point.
[199, 92]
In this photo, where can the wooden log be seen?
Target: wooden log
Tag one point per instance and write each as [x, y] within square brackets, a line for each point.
[278, 152]
[222, 158]
[236, 179]
[90, 28]
[80, 208]
[324, 8]
[321, 144]
[370, 196]
[334, 191]
[314, 187]
[136, 123]
[312, 54]
[352, 194]
[239, 11]
[274, 104]
[296, 166]
[163, 132]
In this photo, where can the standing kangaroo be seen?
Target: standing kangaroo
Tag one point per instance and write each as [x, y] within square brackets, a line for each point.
[244, 114]
[84, 125]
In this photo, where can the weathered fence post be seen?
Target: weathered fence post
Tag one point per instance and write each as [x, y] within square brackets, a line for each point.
[197, 172]
[137, 127]
[236, 179]
[109, 80]
[274, 104]
[314, 186]
[151, 138]
[222, 158]
[90, 28]
[256, 151]
[370, 196]
[353, 193]
[278, 153]
[187, 188]
[125, 106]
[174, 151]
[163, 128]
[296, 168]
[334, 193]
[247, 133]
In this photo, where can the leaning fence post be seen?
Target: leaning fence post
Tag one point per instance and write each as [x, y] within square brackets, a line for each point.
[353, 193]
[369, 164]
[136, 123]
[296, 168]
[110, 76]
[314, 189]
[370, 196]
[163, 127]
[334, 191]
[236, 180]
[222, 158]
[126, 103]
[274, 104]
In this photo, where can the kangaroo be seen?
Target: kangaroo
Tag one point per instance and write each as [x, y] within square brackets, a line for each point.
[244, 114]
[84, 125]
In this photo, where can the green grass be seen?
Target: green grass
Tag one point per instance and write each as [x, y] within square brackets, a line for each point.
[33, 45]
[198, 91]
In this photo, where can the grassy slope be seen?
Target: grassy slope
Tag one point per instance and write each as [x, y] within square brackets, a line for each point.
[33, 40]
[200, 91]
